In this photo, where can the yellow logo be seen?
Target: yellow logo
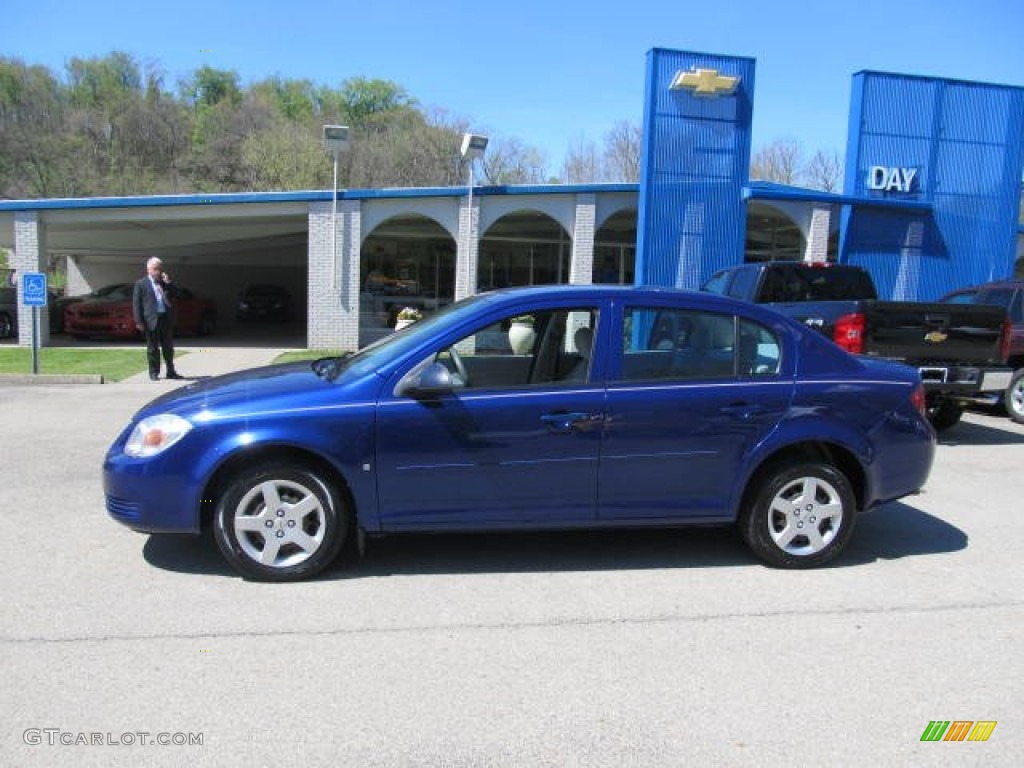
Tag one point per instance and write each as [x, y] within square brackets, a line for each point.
[936, 337]
[706, 83]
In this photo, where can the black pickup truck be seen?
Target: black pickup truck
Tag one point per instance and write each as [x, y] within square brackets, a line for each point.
[960, 350]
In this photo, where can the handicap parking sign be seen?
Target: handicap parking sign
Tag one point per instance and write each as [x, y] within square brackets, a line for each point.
[33, 289]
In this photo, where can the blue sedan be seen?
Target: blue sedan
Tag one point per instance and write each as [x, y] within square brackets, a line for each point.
[539, 408]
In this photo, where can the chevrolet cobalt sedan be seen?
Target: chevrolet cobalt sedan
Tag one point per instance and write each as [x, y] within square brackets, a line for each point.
[554, 407]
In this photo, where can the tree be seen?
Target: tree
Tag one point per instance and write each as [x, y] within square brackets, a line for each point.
[362, 99]
[781, 161]
[509, 161]
[295, 100]
[281, 156]
[209, 87]
[32, 113]
[825, 171]
[583, 163]
[622, 148]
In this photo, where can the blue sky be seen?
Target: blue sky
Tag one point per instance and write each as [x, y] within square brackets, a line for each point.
[548, 73]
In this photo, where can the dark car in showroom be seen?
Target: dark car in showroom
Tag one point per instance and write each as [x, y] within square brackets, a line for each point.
[110, 316]
[577, 415]
[1008, 294]
[9, 312]
[265, 302]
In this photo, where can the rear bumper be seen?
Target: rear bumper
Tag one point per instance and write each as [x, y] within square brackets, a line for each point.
[964, 380]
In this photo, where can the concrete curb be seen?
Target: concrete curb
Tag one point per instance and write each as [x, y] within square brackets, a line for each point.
[51, 378]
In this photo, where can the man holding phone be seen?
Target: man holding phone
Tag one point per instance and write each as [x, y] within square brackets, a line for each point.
[152, 307]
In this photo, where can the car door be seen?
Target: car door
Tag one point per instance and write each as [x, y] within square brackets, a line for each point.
[689, 394]
[514, 442]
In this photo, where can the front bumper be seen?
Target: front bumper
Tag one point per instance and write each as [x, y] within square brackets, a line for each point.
[150, 495]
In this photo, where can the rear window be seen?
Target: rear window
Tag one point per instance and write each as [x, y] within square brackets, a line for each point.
[799, 283]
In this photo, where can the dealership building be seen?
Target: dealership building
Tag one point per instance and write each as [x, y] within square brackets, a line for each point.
[930, 203]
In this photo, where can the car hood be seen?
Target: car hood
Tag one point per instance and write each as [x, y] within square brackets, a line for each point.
[257, 390]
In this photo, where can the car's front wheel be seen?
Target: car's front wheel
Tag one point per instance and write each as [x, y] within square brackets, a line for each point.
[1013, 399]
[799, 516]
[279, 522]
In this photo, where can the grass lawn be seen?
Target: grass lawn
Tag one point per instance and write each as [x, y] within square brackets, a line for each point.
[112, 364]
[306, 354]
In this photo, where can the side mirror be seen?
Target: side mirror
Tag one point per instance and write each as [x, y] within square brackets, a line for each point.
[434, 379]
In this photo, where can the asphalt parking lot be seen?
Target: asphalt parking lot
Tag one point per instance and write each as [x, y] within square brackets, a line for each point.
[595, 649]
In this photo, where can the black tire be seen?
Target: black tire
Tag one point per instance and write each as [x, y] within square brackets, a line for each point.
[6, 326]
[309, 522]
[945, 414]
[1013, 399]
[778, 521]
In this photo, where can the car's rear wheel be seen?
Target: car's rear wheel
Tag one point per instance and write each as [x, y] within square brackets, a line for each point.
[279, 522]
[1013, 398]
[799, 516]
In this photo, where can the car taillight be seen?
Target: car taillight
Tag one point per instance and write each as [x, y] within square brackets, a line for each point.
[849, 332]
[918, 399]
[1004, 342]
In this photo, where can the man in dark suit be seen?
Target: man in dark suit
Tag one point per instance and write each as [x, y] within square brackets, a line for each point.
[152, 307]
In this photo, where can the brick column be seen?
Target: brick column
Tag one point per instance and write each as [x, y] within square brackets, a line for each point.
[467, 255]
[30, 256]
[581, 265]
[333, 275]
[817, 234]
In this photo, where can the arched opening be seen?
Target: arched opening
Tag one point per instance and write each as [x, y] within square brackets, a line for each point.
[523, 248]
[615, 249]
[407, 261]
[772, 235]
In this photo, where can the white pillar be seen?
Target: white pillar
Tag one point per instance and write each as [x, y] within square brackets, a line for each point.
[467, 254]
[333, 276]
[817, 234]
[30, 256]
[581, 264]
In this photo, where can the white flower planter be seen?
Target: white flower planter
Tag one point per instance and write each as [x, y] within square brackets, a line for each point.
[521, 336]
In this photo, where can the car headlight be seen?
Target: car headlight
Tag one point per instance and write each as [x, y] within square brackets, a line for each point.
[156, 434]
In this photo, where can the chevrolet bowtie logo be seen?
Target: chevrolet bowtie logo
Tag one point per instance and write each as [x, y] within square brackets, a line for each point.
[705, 82]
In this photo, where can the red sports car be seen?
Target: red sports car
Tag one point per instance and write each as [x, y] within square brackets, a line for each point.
[111, 315]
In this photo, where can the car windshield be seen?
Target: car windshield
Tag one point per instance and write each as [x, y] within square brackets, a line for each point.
[115, 293]
[107, 290]
[377, 355]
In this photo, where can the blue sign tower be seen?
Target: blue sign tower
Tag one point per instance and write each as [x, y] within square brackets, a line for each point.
[956, 147]
[695, 161]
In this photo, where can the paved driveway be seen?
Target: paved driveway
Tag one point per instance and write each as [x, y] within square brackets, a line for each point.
[647, 648]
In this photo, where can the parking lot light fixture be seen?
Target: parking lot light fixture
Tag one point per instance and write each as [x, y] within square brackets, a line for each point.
[473, 147]
[336, 140]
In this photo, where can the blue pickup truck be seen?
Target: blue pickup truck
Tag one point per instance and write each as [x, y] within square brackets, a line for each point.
[959, 349]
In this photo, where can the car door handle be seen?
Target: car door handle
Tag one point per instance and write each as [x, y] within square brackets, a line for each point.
[564, 422]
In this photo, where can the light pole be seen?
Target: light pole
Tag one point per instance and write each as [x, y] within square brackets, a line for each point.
[336, 140]
[473, 147]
